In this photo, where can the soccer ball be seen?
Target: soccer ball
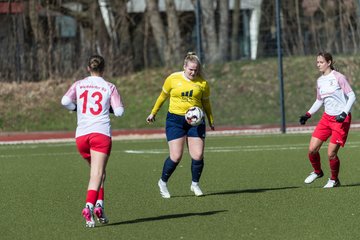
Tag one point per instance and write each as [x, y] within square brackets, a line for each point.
[194, 116]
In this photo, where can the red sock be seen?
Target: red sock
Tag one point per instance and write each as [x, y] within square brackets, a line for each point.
[101, 194]
[91, 196]
[315, 162]
[335, 167]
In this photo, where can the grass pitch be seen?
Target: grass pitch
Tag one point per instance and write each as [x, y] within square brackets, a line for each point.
[253, 184]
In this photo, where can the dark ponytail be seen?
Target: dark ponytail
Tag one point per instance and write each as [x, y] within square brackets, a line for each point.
[96, 63]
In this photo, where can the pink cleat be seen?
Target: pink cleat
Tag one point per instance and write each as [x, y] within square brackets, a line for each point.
[100, 214]
[88, 215]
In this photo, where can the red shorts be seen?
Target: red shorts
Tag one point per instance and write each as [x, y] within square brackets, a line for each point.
[94, 141]
[328, 126]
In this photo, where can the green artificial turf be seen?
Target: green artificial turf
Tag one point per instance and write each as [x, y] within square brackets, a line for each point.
[253, 184]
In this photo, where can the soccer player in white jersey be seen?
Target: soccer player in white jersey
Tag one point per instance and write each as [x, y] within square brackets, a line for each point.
[335, 93]
[94, 99]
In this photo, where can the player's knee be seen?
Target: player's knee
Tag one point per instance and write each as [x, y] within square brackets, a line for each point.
[313, 151]
[332, 155]
[197, 156]
[96, 176]
[175, 157]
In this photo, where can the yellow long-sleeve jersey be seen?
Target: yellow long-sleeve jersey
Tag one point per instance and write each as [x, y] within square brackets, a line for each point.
[185, 93]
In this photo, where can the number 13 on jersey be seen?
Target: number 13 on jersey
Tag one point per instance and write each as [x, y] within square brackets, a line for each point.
[97, 98]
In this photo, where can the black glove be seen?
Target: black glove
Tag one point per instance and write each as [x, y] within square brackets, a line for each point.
[111, 110]
[341, 117]
[75, 108]
[304, 118]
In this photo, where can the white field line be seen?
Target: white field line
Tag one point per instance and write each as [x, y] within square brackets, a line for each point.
[250, 148]
[61, 140]
[250, 131]
[253, 148]
[26, 155]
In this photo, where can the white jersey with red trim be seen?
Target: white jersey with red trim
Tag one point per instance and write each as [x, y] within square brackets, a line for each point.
[332, 89]
[93, 96]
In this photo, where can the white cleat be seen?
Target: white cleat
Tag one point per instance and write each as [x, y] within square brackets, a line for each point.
[100, 214]
[332, 183]
[163, 189]
[313, 176]
[196, 190]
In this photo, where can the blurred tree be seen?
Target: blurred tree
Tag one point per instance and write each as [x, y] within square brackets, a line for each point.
[158, 30]
[300, 38]
[174, 37]
[50, 43]
[210, 40]
[34, 47]
[39, 68]
[223, 33]
[329, 15]
[123, 60]
[235, 30]
[349, 16]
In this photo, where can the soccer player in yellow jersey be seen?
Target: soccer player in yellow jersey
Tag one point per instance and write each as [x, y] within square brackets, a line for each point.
[184, 89]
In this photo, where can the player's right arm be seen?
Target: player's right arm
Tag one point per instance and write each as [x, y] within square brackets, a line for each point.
[159, 102]
[165, 92]
[69, 99]
[116, 102]
[316, 106]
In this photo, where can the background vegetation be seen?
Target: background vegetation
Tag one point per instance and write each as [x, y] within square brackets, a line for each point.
[243, 93]
[44, 39]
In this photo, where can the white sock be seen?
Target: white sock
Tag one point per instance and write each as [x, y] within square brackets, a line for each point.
[162, 182]
[100, 203]
[194, 183]
[89, 206]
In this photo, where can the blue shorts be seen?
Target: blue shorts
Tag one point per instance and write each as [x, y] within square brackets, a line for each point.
[177, 127]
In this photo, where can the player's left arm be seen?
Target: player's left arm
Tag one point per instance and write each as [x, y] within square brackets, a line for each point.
[345, 86]
[207, 106]
[351, 99]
